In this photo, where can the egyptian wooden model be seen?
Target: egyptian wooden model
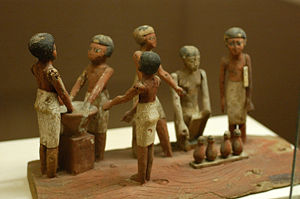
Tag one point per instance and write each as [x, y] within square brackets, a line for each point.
[145, 36]
[189, 119]
[50, 87]
[236, 89]
[97, 74]
[146, 112]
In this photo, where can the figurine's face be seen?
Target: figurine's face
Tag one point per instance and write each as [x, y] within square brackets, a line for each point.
[96, 52]
[236, 45]
[192, 62]
[150, 40]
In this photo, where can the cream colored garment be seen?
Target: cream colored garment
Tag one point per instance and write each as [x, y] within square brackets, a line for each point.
[160, 109]
[235, 102]
[98, 124]
[48, 114]
[146, 118]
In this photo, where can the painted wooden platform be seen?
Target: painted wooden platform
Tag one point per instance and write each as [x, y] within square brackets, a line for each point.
[268, 167]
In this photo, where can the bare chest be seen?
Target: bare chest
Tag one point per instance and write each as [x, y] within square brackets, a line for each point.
[94, 73]
[189, 82]
[235, 68]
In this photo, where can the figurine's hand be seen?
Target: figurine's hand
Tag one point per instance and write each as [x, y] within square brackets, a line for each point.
[223, 104]
[83, 124]
[128, 116]
[180, 91]
[183, 130]
[85, 115]
[86, 108]
[107, 105]
[249, 105]
[60, 101]
[71, 110]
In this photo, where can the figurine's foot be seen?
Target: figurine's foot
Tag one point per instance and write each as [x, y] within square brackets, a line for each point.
[136, 178]
[168, 153]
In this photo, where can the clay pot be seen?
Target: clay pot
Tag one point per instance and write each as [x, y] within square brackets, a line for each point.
[211, 151]
[71, 121]
[237, 144]
[225, 149]
[199, 152]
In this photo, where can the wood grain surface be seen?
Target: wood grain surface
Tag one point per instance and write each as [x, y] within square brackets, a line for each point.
[268, 167]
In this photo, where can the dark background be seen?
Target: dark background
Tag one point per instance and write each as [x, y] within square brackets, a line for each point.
[272, 27]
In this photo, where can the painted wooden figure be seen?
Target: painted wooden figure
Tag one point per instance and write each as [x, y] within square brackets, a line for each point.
[97, 74]
[199, 152]
[50, 86]
[236, 95]
[146, 38]
[146, 112]
[189, 120]
[225, 149]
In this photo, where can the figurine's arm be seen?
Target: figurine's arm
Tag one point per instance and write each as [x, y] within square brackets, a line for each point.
[182, 128]
[167, 78]
[78, 84]
[128, 116]
[56, 81]
[130, 93]
[222, 83]
[101, 83]
[205, 91]
[136, 59]
[249, 88]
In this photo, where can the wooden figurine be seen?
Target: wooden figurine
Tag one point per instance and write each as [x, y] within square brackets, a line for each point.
[199, 152]
[50, 86]
[236, 96]
[189, 120]
[146, 112]
[225, 149]
[97, 73]
[237, 144]
[146, 38]
[211, 151]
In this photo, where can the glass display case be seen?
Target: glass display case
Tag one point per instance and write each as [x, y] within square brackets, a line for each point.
[296, 160]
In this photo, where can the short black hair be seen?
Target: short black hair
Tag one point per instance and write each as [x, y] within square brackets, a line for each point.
[106, 41]
[41, 45]
[149, 62]
[234, 32]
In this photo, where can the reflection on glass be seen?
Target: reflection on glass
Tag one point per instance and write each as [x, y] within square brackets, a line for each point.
[296, 160]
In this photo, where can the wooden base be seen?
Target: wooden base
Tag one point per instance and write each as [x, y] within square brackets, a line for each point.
[268, 167]
[218, 160]
[77, 153]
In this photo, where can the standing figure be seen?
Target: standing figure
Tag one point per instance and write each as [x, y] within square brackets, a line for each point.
[236, 93]
[146, 38]
[97, 73]
[50, 86]
[189, 120]
[146, 112]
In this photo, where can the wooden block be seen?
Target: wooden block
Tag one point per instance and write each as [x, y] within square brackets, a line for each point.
[197, 124]
[76, 153]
